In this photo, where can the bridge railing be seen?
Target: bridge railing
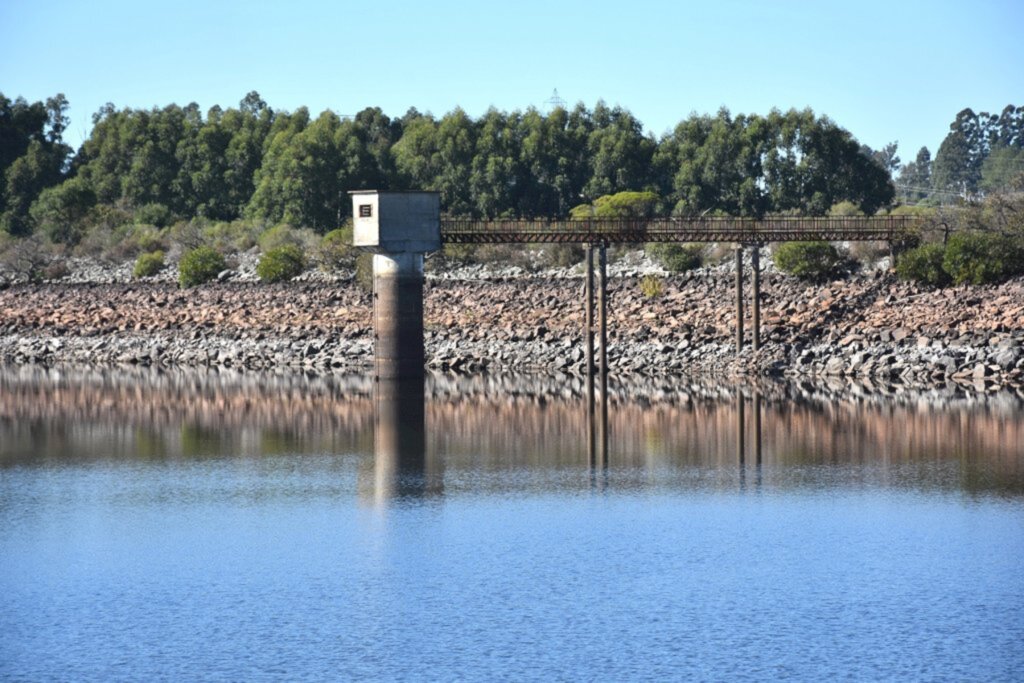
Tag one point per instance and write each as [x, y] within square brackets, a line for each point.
[701, 229]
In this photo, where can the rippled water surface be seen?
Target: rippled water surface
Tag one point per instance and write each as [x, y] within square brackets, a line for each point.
[185, 527]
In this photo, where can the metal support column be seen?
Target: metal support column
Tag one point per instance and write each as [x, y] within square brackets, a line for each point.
[588, 341]
[602, 313]
[755, 265]
[739, 298]
[741, 441]
[757, 427]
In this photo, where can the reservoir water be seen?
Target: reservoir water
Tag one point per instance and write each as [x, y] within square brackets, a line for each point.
[178, 526]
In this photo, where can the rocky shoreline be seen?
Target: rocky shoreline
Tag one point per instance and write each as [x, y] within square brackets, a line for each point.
[870, 326]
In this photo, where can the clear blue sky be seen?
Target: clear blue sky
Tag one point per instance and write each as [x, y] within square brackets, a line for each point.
[885, 70]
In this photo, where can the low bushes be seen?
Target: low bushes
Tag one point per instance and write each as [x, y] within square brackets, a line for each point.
[924, 264]
[561, 255]
[974, 258]
[982, 258]
[676, 258]
[149, 264]
[281, 263]
[809, 260]
[335, 250]
[364, 272]
[282, 234]
[650, 286]
[200, 265]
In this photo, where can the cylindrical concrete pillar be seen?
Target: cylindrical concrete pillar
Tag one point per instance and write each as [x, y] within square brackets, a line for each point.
[398, 315]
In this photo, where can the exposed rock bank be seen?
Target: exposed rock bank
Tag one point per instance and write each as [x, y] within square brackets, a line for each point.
[870, 326]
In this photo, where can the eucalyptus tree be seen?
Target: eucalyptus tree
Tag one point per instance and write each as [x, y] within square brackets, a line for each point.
[438, 155]
[33, 156]
[496, 179]
[620, 155]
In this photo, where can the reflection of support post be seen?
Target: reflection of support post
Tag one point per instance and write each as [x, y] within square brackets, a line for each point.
[401, 467]
[603, 325]
[757, 427]
[588, 340]
[755, 265]
[739, 298]
[741, 445]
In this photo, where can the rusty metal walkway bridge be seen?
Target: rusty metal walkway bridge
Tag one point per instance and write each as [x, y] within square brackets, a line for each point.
[748, 231]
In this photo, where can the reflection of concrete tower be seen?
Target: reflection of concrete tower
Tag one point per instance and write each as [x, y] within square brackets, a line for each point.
[402, 468]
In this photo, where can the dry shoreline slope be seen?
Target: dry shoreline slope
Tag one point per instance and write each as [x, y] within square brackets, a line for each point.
[870, 326]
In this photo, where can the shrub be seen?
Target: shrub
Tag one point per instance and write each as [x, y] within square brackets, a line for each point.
[56, 269]
[364, 272]
[676, 258]
[188, 234]
[128, 241]
[26, 257]
[924, 264]
[149, 264]
[808, 260]
[982, 258]
[153, 214]
[239, 235]
[199, 265]
[457, 254]
[845, 208]
[869, 252]
[650, 286]
[281, 263]
[283, 234]
[562, 255]
[336, 250]
[60, 212]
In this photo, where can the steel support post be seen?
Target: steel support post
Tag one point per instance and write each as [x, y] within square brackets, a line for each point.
[741, 443]
[755, 265]
[739, 298]
[757, 427]
[588, 341]
[603, 325]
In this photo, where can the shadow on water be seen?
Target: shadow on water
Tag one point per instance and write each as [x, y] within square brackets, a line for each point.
[469, 433]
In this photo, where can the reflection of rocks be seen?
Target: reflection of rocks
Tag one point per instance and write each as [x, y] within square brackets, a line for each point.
[499, 424]
[866, 327]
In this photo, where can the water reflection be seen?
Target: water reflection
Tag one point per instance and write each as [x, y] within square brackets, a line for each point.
[487, 431]
[402, 466]
[741, 435]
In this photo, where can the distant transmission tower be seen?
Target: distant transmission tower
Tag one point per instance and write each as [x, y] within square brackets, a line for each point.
[554, 101]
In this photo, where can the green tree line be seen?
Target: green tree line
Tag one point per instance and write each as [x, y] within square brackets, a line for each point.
[257, 163]
[161, 165]
[982, 153]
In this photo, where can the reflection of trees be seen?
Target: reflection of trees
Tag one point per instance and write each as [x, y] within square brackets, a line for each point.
[489, 424]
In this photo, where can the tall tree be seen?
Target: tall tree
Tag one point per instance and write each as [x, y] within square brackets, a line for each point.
[33, 156]
[496, 179]
[620, 155]
[915, 178]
